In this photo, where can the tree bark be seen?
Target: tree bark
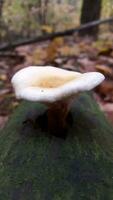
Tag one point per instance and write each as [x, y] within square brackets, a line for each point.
[3, 25]
[1, 7]
[45, 11]
[43, 4]
[59, 1]
[91, 11]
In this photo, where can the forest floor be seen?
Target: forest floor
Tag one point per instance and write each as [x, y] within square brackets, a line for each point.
[71, 53]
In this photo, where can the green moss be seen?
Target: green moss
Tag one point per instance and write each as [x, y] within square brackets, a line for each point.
[37, 166]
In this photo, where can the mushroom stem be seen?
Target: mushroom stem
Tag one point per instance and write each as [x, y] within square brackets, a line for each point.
[57, 115]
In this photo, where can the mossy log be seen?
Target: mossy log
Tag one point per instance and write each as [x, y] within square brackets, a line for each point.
[36, 165]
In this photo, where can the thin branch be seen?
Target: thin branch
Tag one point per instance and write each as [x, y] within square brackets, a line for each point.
[53, 35]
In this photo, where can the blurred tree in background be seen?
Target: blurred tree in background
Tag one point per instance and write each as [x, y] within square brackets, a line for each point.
[21, 19]
[1, 7]
[91, 11]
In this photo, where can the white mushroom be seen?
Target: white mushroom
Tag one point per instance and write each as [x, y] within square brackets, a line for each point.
[55, 87]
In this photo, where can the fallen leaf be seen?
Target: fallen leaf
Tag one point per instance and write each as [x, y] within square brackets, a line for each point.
[3, 77]
[38, 56]
[86, 64]
[104, 47]
[105, 89]
[47, 29]
[105, 70]
[69, 51]
[52, 49]
[4, 91]
[105, 52]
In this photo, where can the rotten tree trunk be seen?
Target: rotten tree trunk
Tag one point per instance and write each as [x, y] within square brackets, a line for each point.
[35, 166]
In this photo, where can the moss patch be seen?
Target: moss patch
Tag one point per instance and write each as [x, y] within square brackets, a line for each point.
[44, 167]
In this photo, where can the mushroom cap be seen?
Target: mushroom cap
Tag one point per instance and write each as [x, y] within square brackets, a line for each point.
[50, 84]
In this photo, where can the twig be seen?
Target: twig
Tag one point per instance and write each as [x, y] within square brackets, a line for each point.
[53, 35]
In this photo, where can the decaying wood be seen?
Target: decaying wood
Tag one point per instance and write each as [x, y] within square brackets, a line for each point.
[37, 165]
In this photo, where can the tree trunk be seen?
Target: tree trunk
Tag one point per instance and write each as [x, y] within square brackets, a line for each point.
[3, 26]
[45, 11]
[1, 7]
[91, 11]
[43, 5]
[59, 1]
[39, 166]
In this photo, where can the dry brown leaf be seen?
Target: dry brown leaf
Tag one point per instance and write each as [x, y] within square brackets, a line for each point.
[84, 47]
[105, 60]
[69, 51]
[47, 29]
[4, 91]
[105, 51]
[86, 64]
[3, 77]
[105, 70]
[102, 45]
[52, 49]
[105, 89]
[38, 56]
